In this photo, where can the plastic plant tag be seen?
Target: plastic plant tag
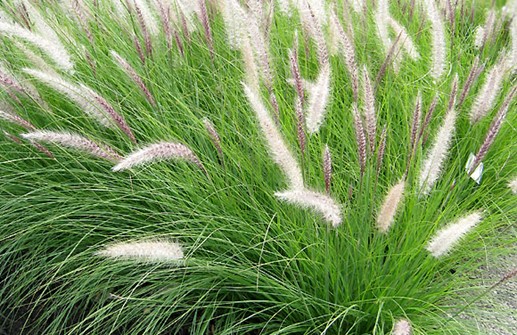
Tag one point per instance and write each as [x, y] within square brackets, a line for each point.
[478, 172]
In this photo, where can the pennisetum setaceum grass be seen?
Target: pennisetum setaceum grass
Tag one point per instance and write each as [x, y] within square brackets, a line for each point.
[253, 167]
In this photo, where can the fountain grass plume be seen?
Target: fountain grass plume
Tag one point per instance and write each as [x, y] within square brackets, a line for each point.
[369, 109]
[214, 137]
[318, 100]
[73, 141]
[278, 148]
[495, 126]
[445, 239]
[359, 137]
[488, 93]
[327, 168]
[348, 51]
[158, 152]
[475, 71]
[16, 120]
[432, 166]
[439, 45]
[317, 201]
[56, 52]
[134, 76]
[401, 327]
[390, 205]
[160, 251]
[80, 95]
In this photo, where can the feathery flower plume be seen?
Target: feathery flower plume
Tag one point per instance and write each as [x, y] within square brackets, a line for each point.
[493, 130]
[145, 17]
[438, 39]
[295, 69]
[236, 23]
[158, 152]
[348, 49]
[316, 30]
[387, 61]
[206, 26]
[433, 164]
[406, 41]
[513, 185]
[9, 81]
[382, 149]
[165, 18]
[148, 251]
[446, 238]
[382, 16]
[280, 152]
[369, 109]
[359, 137]
[300, 130]
[73, 141]
[42, 149]
[78, 94]
[474, 73]
[318, 100]
[56, 52]
[489, 91]
[16, 120]
[390, 205]
[485, 33]
[427, 120]
[319, 202]
[12, 137]
[214, 136]
[327, 168]
[134, 76]
[415, 124]
[143, 22]
[285, 7]
[116, 117]
[401, 327]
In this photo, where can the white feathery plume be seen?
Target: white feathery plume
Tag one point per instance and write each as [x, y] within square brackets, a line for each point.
[318, 100]
[73, 141]
[158, 152]
[281, 153]
[236, 23]
[401, 327]
[369, 109]
[36, 60]
[77, 94]
[151, 22]
[40, 25]
[382, 16]
[390, 205]
[478, 37]
[438, 39]
[119, 9]
[486, 32]
[488, 93]
[347, 45]
[319, 202]
[433, 164]
[405, 40]
[55, 51]
[145, 251]
[513, 185]
[446, 238]
[13, 118]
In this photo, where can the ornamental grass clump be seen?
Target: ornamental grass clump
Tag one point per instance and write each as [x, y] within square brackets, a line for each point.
[253, 167]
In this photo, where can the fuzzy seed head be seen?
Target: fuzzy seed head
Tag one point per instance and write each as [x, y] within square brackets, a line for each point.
[319, 202]
[446, 238]
[148, 251]
[389, 207]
